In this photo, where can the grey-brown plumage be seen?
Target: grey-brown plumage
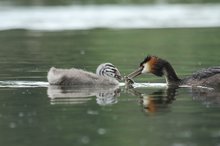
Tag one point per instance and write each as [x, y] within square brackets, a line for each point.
[209, 77]
[75, 76]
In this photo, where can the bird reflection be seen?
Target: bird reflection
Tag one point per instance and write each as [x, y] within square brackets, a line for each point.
[208, 96]
[160, 99]
[81, 94]
[108, 95]
[156, 101]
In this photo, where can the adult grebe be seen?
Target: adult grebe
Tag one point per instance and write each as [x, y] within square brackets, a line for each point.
[209, 77]
[106, 74]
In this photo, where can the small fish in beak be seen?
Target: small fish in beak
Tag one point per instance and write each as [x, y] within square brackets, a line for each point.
[128, 79]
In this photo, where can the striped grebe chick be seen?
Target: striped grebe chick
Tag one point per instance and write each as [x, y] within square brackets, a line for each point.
[106, 74]
[209, 77]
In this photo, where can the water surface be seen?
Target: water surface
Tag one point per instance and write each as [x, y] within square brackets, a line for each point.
[70, 116]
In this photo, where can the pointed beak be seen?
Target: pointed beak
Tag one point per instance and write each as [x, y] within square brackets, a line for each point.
[135, 73]
[119, 77]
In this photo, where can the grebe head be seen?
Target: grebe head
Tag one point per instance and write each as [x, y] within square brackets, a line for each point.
[151, 64]
[108, 70]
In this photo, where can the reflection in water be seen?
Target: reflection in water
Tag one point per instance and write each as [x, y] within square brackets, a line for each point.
[207, 96]
[160, 99]
[106, 95]
[155, 101]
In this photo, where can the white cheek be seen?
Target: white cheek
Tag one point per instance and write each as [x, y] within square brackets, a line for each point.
[146, 68]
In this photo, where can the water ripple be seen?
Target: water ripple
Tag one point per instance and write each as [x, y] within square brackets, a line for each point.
[23, 84]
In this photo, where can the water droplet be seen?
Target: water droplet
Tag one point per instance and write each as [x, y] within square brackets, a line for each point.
[91, 112]
[82, 52]
[179, 144]
[85, 139]
[12, 125]
[143, 142]
[114, 117]
[185, 134]
[101, 131]
[21, 114]
[216, 134]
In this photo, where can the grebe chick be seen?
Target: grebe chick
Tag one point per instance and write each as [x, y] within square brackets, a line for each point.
[209, 77]
[106, 74]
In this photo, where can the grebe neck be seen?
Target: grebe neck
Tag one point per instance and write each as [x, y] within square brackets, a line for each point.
[170, 74]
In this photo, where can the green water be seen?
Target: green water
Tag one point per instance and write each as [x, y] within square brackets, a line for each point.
[29, 117]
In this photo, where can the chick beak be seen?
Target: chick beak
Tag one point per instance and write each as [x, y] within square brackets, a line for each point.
[135, 73]
[119, 77]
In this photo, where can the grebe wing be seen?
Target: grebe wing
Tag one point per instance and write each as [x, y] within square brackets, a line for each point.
[206, 73]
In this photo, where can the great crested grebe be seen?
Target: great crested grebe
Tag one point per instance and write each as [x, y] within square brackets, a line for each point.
[106, 74]
[209, 77]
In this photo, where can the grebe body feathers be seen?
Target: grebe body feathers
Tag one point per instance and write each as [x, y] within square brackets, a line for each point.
[108, 74]
[209, 77]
